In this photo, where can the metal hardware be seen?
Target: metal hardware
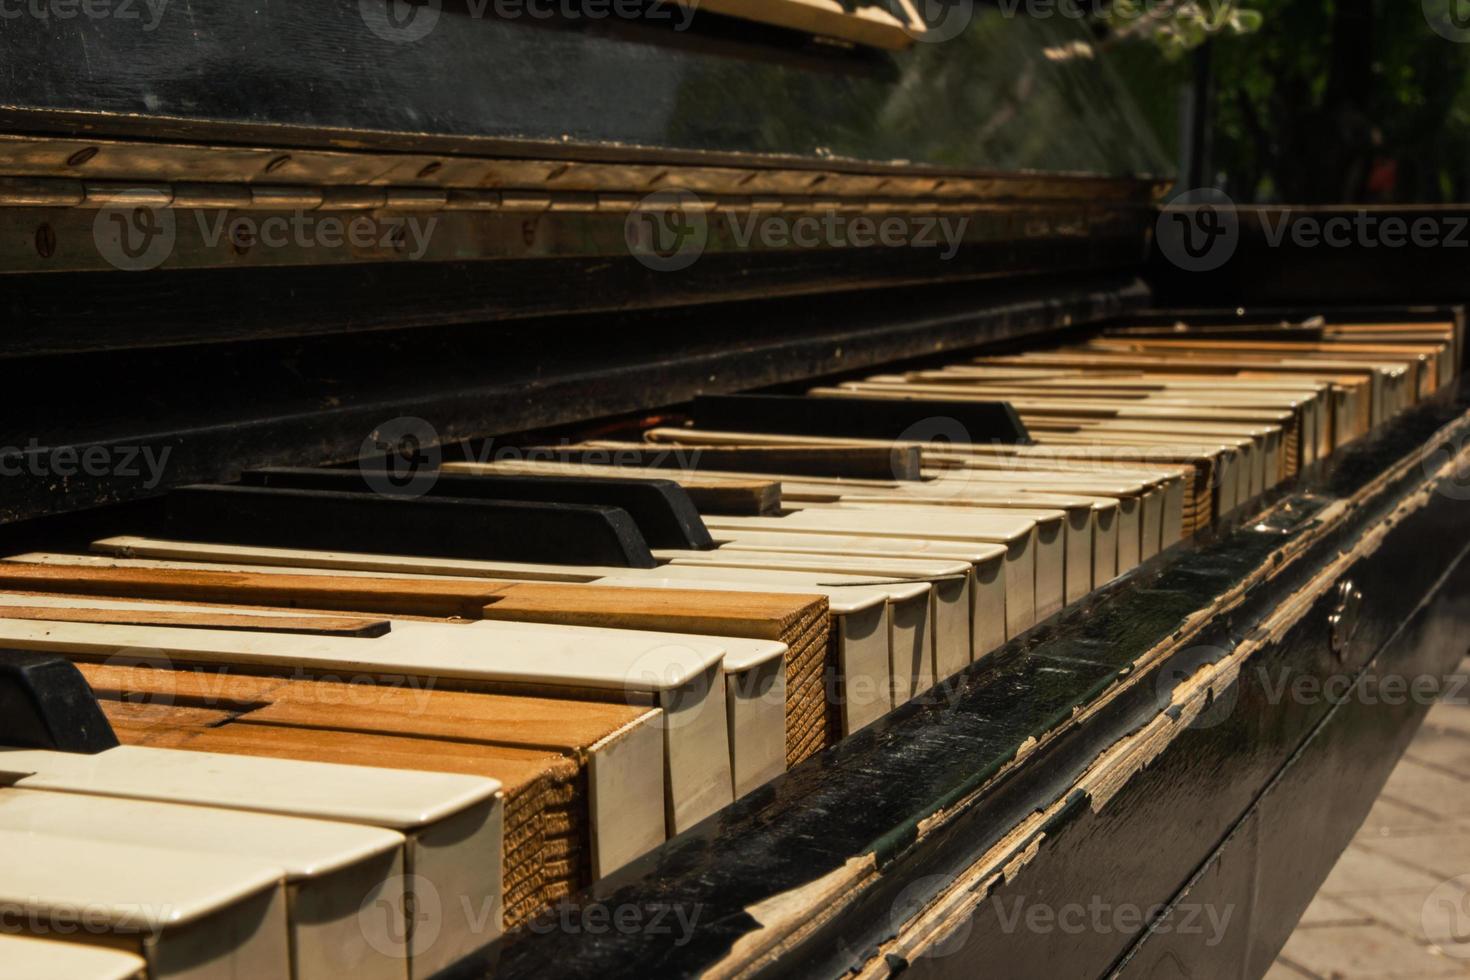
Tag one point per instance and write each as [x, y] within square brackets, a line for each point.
[1342, 622]
[31, 160]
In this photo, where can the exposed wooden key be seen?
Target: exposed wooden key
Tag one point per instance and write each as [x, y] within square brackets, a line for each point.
[208, 620]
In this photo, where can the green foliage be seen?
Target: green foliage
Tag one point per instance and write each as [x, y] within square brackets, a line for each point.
[1320, 100]
[1177, 26]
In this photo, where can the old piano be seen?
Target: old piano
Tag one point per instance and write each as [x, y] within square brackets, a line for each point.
[662, 490]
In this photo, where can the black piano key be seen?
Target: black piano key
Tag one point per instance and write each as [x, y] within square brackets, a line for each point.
[662, 509]
[920, 420]
[443, 527]
[45, 703]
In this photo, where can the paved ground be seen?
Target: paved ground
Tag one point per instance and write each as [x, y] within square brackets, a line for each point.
[1398, 902]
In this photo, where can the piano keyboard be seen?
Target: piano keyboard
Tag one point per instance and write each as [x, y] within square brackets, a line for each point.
[364, 734]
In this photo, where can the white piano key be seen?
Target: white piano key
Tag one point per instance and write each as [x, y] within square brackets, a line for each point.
[682, 674]
[624, 770]
[949, 600]
[864, 692]
[452, 824]
[29, 958]
[332, 870]
[1016, 533]
[987, 585]
[190, 916]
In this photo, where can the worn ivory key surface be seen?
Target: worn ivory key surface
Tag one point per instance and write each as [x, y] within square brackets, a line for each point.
[452, 824]
[189, 915]
[332, 870]
[30, 958]
[681, 674]
[869, 616]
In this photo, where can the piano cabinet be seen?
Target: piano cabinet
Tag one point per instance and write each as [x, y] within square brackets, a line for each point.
[1152, 782]
[1203, 737]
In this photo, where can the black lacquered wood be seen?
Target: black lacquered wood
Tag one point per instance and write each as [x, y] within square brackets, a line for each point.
[45, 703]
[210, 411]
[661, 509]
[916, 420]
[388, 523]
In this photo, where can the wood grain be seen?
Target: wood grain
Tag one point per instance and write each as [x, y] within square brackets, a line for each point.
[304, 625]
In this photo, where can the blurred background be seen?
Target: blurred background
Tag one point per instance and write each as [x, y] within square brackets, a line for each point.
[1303, 101]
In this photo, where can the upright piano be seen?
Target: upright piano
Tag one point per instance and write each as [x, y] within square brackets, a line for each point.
[656, 489]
